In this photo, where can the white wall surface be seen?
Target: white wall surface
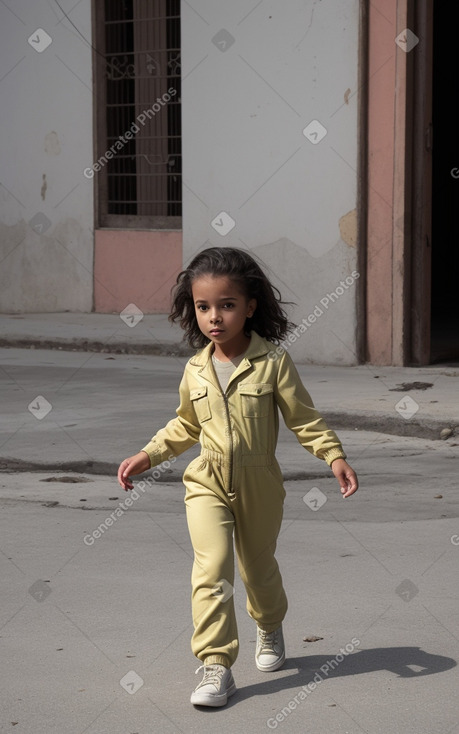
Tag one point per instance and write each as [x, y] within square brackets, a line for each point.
[255, 75]
[46, 204]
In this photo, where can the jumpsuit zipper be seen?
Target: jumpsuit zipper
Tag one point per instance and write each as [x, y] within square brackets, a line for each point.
[231, 494]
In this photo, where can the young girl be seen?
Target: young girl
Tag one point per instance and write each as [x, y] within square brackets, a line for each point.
[230, 396]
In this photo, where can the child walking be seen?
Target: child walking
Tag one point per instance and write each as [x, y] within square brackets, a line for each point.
[230, 396]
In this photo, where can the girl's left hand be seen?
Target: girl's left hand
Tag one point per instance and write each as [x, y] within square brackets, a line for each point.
[346, 477]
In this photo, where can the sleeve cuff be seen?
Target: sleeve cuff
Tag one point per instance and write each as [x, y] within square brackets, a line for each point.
[332, 454]
[153, 454]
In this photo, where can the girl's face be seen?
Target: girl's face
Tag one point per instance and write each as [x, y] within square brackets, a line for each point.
[221, 310]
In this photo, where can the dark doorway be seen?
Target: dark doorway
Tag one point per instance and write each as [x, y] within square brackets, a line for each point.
[445, 188]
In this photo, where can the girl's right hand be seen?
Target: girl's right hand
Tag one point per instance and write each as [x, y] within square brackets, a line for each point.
[133, 465]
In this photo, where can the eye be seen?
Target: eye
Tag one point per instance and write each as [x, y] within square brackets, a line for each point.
[201, 307]
[228, 305]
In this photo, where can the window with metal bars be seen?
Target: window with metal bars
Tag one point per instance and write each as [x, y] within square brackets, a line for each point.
[138, 167]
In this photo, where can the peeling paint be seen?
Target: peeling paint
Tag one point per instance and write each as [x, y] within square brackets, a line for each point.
[348, 228]
[346, 95]
[52, 144]
[44, 186]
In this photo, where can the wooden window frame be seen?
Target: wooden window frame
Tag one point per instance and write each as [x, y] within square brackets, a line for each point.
[104, 219]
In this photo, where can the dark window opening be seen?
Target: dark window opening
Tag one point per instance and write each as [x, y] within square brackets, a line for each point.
[139, 156]
[445, 189]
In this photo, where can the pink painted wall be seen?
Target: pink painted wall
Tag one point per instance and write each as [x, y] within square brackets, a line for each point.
[135, 266]
[381, 110]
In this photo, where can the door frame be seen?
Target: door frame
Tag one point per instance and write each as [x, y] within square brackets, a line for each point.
[399, 184]
[421, 224]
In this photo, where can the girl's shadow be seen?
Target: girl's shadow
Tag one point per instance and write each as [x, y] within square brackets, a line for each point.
[396, 659]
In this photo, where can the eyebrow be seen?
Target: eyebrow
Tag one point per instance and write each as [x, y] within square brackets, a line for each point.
[230, 298]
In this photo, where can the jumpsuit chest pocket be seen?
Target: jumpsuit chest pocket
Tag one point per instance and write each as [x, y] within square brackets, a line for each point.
[255, 399]
[200, 400]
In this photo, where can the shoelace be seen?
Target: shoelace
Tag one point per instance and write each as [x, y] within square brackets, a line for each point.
[268, 640]
[212, 675]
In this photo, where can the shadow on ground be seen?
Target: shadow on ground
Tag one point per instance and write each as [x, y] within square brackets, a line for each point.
[398, 660]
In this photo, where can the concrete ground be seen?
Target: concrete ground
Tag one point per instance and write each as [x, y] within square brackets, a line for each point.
[95, 620]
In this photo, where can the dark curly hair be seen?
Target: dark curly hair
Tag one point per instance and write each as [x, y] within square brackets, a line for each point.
[269, 320]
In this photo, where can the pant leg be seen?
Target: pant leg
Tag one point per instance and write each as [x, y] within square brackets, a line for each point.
[211, 524]
[258, 512]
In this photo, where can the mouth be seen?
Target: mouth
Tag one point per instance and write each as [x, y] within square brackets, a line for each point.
[216, 332]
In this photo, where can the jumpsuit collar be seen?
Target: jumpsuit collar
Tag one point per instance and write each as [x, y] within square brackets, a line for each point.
[203, 359]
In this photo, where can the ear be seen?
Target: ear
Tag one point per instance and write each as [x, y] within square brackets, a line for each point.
[251, 307]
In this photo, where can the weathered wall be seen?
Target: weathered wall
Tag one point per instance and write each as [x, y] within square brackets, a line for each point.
[46, 204]
[253, 80]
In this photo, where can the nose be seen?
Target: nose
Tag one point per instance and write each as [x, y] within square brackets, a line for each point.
[215, 318]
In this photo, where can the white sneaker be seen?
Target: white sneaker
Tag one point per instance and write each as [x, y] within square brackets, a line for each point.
[270, 652]
[216, 687]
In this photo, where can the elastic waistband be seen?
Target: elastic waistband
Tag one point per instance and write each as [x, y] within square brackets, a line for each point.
[246, 460]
